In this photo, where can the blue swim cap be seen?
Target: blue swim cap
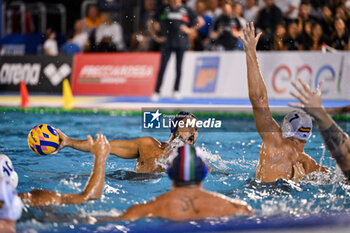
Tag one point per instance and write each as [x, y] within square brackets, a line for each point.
[180, 116]
[187, 166]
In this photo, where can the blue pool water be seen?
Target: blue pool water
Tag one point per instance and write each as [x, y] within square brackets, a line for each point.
[234, 156]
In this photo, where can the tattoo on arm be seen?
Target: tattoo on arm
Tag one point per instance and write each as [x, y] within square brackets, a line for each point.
[188, 203]
[334, 138]
[347, 174]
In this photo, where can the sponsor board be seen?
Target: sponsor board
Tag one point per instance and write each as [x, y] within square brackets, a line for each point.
[117, 74]
[279, 69]
[42, 74]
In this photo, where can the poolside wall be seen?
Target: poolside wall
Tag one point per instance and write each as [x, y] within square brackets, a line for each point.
[204, 74]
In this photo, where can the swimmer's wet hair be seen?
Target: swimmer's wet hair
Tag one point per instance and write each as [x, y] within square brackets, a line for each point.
[187, 168]
[178, 117]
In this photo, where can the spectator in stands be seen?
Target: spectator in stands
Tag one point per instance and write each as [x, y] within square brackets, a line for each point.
[318, 38]
[341, 12]
[269, 17]
[213, 10]
[279, 38]
[251, 11]
[226, 30]
[238, 12]
[92, 19]
[292, 41]
[202, 39]
[80, 37]
[50, 44]
[109, 36]
[306, 36]
[70, 47]
[289, 8]
[175, 23]
[142, 40]
[304, 15]
[316, 9]
[327, 20]
[340, 39]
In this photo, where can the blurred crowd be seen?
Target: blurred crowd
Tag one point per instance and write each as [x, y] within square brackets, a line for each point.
[285, 24]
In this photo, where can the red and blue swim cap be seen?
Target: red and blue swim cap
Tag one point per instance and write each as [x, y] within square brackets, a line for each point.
[187, 166]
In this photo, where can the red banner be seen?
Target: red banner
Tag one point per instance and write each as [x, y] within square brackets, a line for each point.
[117, 74]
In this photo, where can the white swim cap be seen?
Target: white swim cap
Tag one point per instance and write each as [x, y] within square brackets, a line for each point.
[7, 171]
[297, 124]
[10, 204]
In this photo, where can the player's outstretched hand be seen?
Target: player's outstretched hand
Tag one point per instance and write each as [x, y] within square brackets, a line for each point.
[309, 101]
[100, 146]
[249, 39]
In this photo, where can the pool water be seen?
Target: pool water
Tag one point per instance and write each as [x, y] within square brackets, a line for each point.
[233, 155]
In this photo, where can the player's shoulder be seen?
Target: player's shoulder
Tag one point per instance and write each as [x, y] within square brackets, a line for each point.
[10, 204]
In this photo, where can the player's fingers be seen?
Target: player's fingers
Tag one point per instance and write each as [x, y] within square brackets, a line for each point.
[298, 97]
[301, 92]
[258, 36]
[305, 86]
[319, 88]
[246, 34]
[252, 29]
[90, 140]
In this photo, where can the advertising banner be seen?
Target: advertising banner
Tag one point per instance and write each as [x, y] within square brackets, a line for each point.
[224, 74]
[42, 74]
[117, 74]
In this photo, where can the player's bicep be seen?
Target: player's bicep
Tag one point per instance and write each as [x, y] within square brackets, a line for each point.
[266, 126]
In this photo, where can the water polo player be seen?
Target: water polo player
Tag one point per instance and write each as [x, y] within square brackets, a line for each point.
[93, 190]
[147, 150]
[336, 140]
[186, 200]
[282, 152]
[10, 204]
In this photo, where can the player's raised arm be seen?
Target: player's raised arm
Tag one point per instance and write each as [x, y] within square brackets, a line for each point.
[100, 148]
[264, 122]
[335, 139]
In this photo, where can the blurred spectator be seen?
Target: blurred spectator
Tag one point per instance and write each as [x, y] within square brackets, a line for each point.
[50, 44]
[238, 12]
[341, 12]
[109, 36]
[142, 40]
[202, 39]
[318, 38]
[306, 36]
[213, 10]
[269, 17]
[327, 20]
[304, 15]
[340, 38]
[70, 47]
[292, 41]
[316, 8]
[92, 19]
[279, 37]
[226, 30]
[80, 37]
[172, 27]
[251, 11]
[289, 8]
